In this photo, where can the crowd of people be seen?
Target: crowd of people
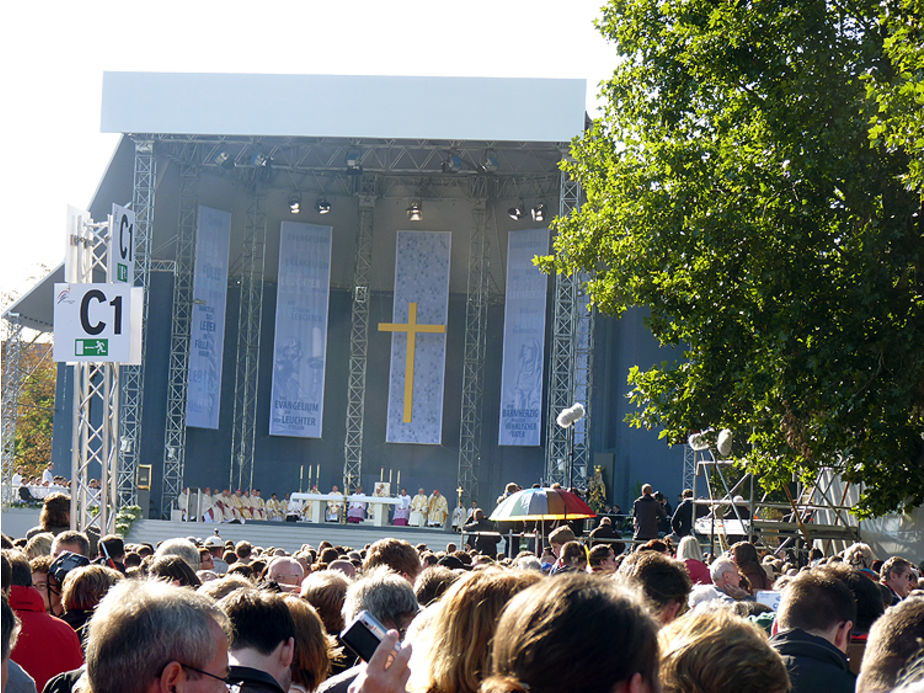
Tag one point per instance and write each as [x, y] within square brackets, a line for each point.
[89, 613]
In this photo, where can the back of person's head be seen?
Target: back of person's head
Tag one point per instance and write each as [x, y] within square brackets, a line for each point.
[260, 620]
[56, 511]
[744, 553]
[859, 555]
[432, 583]
[142, 626]
[573, 554]
[71, 540]
[663, 582]
[463, 625]
[598, 554]
[865, 592]
[243, 549]
[313, 647]
[112, 546]
[689, 548]
[396, 554]
[576, 632]
[20, 570]
[174, 568]
[814, 601]
[561, 536]
[647, 489]
[711, 650]
[687, 493]
[183, 548]
[9, 630]
[385, 594]
[326, 591]
[894, 641]
[39, 544]
[223, 586]
[85, 587]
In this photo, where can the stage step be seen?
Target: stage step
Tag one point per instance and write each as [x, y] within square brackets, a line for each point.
[286, 535]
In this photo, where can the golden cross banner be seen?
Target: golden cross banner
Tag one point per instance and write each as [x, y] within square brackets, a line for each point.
[418, 327]
[411, 328]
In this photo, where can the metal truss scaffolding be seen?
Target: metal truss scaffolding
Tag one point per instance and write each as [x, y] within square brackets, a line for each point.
[12, 381]
[132, 377]
[250, 313]
[175, 425]
[570, 365]
[359, 339]
[473, 360]
[95, 429]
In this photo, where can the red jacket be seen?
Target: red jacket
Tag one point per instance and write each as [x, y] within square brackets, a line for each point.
[47, 645]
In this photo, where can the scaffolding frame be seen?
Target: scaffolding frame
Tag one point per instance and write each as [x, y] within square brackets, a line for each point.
[475, 348]
[131, 393]
[570, 365]
[250, 314]
[174, 458]
[12, 383]
[359, 338]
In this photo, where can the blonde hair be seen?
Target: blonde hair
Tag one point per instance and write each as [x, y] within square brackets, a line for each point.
[710, 650]
[689, 548]
[456, 653]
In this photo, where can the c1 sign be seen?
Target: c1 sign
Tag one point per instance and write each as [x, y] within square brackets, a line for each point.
[122, 246]
[98, 322]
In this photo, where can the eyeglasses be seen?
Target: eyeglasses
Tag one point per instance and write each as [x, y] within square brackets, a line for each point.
[232, 687]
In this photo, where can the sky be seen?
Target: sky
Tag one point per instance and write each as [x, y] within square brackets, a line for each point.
[54, 55]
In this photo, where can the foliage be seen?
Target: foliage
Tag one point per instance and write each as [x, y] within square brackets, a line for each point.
[733, 192]
[36, 404]
[125, 518]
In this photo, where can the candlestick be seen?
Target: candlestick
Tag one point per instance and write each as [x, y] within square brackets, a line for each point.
[398, 484]
[382, 474]
[389, 477]
[301, 476]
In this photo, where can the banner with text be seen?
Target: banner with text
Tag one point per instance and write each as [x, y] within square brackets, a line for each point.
[207, 328]
[300, 341]
[418, 340]
[524, 339]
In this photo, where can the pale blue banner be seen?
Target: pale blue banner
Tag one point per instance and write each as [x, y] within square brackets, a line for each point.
[524, 339]
[207, 331]
[300, 342]
[420, 313]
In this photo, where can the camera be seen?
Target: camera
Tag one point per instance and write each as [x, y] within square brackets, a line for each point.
[364, 634]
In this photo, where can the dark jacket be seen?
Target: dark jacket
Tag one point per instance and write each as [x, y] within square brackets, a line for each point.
[684, 516]
[813, 663]
[647, 512]
[254, 680]
[484, 543]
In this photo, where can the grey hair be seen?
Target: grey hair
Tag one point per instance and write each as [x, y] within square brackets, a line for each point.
[383, 593]
[527, 563]
[720, 566]
[859, 555]
[143, 625]
[689, 548]
[183, 548]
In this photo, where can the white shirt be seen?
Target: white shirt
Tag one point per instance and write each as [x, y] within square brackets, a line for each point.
[47, 476]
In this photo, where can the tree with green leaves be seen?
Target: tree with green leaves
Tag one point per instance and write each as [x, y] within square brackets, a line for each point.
[733, 191]
[36, 409]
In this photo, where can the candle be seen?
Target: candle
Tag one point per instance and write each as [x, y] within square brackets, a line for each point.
[398, 485]
[389, 477]
[301, 476]
[382, 474]
[317, 476]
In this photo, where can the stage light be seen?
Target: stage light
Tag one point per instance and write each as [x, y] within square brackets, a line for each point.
[354, 163]
[453, 163]
[489, 162]
[414, 211]
[260, 160]
[295, 203]
[224, 160]
[516, 212]
[323, 206]
[538, 212]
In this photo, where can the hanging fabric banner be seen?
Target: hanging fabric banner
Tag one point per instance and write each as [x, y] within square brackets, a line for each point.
[524, 339]
[207, 327]
[300, 342]
[418, 341]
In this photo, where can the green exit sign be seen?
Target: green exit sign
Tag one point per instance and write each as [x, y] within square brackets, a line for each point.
[91, 347]
[122, 271]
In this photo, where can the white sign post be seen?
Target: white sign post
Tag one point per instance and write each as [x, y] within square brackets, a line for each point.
[122, 246]
[99, 323]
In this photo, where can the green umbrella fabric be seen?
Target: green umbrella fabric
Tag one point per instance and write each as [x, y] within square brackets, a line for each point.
[542, 504]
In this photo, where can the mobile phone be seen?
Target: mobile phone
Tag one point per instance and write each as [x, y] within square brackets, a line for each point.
[364, 634]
